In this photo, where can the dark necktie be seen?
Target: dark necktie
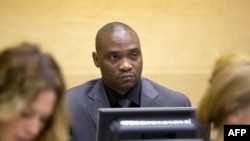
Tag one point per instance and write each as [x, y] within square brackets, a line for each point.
[124, 102]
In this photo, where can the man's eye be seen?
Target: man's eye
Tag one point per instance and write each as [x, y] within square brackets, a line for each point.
[113, 57]
[134, 55]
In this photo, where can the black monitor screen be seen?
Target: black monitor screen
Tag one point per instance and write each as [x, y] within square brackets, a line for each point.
[156, 123]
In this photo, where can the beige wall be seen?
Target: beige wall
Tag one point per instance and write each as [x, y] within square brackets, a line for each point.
[180, 38]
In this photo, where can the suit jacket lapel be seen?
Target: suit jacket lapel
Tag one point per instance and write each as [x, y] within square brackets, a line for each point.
[98, 99]
[148, 94]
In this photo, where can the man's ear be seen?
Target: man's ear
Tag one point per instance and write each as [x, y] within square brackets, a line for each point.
[95, 59]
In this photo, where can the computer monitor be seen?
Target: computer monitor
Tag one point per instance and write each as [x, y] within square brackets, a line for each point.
[147, 124]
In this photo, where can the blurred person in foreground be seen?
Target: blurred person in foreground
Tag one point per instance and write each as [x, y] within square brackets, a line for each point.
[32, 96]
[227, 60]
[227, 99]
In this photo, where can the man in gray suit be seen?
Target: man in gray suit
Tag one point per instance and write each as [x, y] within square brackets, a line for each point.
[118, 55]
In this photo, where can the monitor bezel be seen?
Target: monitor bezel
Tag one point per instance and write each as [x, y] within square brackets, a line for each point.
[107, 115]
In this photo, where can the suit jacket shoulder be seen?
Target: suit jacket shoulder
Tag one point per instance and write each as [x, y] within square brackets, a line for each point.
[162, 95]
[83, 103]
[87, 86]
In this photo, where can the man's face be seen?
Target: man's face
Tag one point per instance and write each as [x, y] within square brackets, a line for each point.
[120, 60]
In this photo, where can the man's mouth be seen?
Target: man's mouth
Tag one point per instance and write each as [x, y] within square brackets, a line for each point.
[126, 76]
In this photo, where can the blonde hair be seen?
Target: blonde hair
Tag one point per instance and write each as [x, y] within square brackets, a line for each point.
[24, 72]
[227, 60]
[228, 91]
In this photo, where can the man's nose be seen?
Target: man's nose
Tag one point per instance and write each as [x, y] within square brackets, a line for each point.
[125, 65]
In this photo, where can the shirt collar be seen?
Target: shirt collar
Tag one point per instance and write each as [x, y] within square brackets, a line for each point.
[133, 95]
